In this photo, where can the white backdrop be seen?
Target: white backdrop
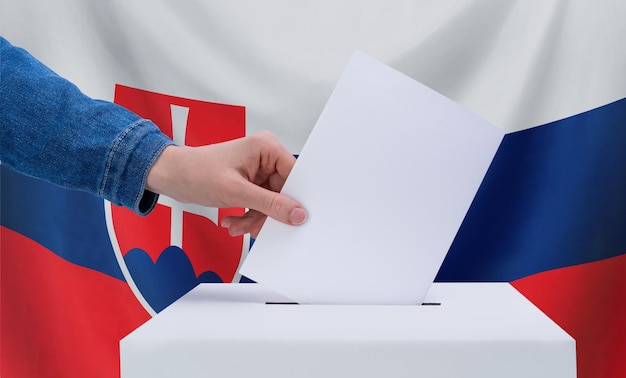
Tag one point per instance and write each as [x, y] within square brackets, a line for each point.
[518, 64]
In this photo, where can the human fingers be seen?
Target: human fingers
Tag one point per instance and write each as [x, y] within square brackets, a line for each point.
[268, 202]
[276, 205]
[272, 160]
[267, 166]
[251, 222]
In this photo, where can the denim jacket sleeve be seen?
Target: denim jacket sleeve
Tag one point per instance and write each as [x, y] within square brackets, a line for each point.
[49, 129]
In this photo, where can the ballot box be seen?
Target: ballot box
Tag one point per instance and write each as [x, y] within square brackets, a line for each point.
[245, 330]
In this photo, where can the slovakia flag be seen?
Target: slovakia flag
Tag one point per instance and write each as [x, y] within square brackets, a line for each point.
[78, 274]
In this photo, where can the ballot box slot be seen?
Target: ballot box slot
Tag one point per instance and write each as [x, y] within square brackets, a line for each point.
[281, 303]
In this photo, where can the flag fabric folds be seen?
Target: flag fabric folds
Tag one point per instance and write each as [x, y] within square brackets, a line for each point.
[77, 274]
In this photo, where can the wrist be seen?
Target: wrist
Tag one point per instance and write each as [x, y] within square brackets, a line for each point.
[161, 175]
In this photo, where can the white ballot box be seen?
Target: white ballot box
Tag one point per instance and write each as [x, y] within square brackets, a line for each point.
[244, 330]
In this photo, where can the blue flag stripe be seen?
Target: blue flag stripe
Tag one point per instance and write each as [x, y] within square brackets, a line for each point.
[554, 196]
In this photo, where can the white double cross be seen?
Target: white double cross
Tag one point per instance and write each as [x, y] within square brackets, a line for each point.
[180, 114]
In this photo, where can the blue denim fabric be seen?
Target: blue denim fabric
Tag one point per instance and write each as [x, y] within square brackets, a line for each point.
[50, 130]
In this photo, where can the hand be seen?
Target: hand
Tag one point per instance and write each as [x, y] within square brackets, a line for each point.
[247, 172]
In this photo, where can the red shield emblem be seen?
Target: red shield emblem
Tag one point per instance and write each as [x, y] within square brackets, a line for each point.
[193, 229]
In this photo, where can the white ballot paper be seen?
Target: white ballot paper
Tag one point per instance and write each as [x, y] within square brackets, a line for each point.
[387, 175]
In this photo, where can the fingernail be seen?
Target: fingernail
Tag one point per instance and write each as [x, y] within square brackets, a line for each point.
[297, 216]
[226, 223]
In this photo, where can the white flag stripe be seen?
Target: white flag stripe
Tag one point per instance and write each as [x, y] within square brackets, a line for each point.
[517, 64]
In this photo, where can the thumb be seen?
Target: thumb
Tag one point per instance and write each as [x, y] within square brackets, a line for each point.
[278, 206]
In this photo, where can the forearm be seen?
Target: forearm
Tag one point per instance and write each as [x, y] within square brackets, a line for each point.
[51, 130]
